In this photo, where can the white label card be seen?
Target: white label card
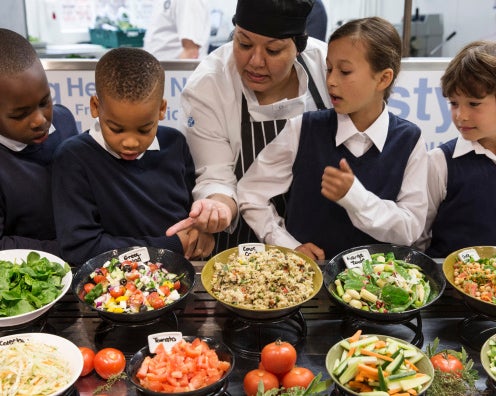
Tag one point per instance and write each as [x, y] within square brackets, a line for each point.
[169, 339]
[356, 258]
[245, 249]
[137, 255]
[466, 255]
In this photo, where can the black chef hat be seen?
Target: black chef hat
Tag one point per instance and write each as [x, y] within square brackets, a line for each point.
[273, 18]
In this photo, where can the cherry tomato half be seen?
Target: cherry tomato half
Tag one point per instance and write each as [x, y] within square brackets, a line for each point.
[88, 286]
[297, 377]
[108, 362]
[253, 378]
[88, 358]
[278, 357]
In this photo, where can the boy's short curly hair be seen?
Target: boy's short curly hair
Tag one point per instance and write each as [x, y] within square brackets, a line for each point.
[129, 74]
[16, 53]
[472, 72]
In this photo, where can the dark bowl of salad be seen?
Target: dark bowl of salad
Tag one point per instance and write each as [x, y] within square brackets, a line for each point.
[134, 284]
[383, 282]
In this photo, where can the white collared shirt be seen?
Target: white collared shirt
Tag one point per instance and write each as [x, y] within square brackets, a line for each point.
[16, 146]
[400, 221]
[437, 180]
[96, 133]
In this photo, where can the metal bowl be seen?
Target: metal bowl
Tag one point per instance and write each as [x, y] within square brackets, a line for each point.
[17, 256]
[336, 352]
[173, 262]
[430, 268]
[223, 352]
[258, 314]
[484, 307]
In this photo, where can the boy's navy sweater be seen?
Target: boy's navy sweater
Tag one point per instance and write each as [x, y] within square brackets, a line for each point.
[467, 216]
[25, 193]
[313, 218]
[103, 203]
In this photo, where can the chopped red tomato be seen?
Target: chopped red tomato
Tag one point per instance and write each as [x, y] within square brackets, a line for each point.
[188, 366]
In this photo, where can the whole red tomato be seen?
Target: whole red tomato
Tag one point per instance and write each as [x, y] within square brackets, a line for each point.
[278, 357]
[108, 362]
[88, 357]
[448, 363]
[253, 378]
[297, 377]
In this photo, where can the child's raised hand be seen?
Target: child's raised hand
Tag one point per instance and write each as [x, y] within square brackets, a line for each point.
[207, 215]
[336, 182]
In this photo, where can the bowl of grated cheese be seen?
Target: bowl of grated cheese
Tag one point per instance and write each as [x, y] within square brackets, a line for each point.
[38, 364]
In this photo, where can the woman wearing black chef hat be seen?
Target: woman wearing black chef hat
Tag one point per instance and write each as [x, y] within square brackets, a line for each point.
[239, 98]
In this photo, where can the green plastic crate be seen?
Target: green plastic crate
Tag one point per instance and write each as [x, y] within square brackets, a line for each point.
[118, 38]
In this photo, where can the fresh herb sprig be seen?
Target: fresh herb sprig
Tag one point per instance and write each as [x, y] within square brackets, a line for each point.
[316, 387]
[460, 383]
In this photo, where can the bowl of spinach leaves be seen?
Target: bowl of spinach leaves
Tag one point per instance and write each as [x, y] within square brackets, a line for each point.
[31, 282]
[383, 282]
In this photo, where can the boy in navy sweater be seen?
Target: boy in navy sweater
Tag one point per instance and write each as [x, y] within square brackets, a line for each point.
[31, 128]
[127, 179]
[462, 172]
[357, 173]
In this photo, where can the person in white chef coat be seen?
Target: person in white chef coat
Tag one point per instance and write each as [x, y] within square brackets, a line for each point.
[179, 29]
[239, 98]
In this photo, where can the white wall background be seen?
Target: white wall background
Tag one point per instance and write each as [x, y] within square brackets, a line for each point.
[472, 20]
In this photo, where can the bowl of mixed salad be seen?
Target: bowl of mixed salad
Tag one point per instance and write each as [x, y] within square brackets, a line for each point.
[134, 284]
[379, 364]
[193, 366]
[383, 282]
[38, 364]
[31, 282]
[488, 357]
[268, 283]
[472, 273]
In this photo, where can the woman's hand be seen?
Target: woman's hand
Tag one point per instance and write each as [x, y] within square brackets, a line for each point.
[196, 244]
[311, 250]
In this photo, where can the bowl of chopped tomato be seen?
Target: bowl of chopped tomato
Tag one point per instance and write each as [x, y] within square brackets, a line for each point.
[134, 284]
[472, 273]
[194, 366]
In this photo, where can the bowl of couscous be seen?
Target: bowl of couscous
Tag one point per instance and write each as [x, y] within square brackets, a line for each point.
[268, 284]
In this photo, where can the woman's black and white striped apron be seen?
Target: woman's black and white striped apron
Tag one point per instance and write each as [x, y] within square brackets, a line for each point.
[255, 135]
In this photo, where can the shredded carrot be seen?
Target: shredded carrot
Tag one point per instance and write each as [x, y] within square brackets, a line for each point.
[412, 366]
[380, 344]
[356, 336]
[377, 355]
[367, 371]
[362, 387]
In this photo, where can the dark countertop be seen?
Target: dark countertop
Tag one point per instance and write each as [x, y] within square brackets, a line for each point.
[325, 322]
